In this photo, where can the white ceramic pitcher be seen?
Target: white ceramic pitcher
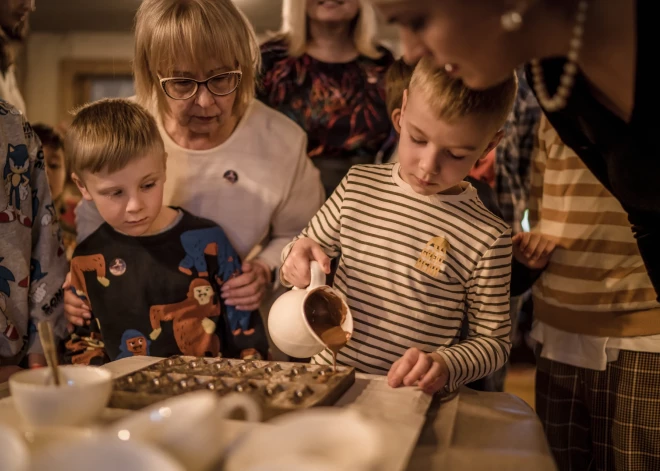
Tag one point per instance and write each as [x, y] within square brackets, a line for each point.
[288, 324]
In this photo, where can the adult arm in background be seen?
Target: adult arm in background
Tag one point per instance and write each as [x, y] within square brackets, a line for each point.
[303, 197]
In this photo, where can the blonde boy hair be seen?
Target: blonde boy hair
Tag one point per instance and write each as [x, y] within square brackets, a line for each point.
[169, 31]
[397, 79]
[294, 28]
[108, 134]
[450, 98]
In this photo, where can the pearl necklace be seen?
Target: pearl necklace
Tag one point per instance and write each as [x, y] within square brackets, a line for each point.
[567, 79]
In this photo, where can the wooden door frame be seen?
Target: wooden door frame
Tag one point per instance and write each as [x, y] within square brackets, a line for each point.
[73, 71]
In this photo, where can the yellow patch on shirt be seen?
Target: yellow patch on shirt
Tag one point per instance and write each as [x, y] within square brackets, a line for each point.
[433, 256]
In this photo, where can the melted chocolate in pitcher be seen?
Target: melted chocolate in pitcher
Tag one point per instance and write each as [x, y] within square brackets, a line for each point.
[325, 312]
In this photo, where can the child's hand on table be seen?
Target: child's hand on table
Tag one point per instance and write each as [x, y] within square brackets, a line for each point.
[428, 370]
[532, 249]
[296, 269]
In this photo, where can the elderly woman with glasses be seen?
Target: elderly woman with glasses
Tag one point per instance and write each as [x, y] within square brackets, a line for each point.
[231, 159]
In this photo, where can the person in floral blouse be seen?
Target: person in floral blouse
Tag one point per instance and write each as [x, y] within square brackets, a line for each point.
[325, 71]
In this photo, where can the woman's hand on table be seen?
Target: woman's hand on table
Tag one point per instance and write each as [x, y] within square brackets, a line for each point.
[248, 289]
[296, 270]
[428, 370]
[75, 309]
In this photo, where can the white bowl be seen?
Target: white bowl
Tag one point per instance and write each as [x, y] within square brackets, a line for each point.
[332, 439]
[81, 399]
[14, 455]
[103, 454]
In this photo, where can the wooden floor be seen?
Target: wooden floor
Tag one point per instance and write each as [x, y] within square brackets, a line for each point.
[520, 381]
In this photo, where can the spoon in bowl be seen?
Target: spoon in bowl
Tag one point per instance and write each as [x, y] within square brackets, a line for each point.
[50, 352]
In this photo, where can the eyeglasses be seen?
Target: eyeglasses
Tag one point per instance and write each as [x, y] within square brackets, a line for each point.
[183, 88]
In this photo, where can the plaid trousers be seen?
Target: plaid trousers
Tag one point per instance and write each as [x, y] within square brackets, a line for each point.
[602, 420]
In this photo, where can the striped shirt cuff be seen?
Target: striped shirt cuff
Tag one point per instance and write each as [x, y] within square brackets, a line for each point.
[453, 367]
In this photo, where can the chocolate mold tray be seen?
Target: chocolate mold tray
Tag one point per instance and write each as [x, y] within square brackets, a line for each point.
[278, 387]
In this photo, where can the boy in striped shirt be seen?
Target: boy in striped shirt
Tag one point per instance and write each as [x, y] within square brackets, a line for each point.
[417, 249]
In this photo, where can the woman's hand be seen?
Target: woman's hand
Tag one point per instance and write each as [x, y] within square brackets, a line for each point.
[75, 309]
[532, 249]
[248, 289]
[296, 268]
[428, 370]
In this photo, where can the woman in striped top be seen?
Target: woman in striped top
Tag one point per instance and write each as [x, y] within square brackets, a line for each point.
[417, 249]
[596, 319]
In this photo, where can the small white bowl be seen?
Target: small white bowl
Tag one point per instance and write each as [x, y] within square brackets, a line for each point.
[103, 454]
[14, 455]
[79, 400]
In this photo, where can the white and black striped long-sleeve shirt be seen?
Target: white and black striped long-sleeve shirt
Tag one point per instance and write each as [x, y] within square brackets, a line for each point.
[412, 267]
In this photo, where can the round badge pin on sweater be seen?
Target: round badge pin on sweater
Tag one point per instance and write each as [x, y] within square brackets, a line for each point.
[118, 267]
[231, 176]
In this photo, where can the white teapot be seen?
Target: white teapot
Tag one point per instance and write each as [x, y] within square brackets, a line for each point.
[289, 318]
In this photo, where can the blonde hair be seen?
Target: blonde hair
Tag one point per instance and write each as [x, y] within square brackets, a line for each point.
[294, 28]
[397, 79]
[450, 98]
[198, 30]
[108, 134]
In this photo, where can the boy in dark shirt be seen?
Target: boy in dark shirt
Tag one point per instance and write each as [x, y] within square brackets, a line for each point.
[151, 273]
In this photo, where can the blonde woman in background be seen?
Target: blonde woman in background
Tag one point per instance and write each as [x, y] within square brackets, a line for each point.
[13, 27]
[325, 70]
[231, 159]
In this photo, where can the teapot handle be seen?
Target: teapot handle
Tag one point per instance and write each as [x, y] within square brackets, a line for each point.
[317, 275]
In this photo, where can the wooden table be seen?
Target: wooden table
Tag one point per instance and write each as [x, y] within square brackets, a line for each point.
[473, 430]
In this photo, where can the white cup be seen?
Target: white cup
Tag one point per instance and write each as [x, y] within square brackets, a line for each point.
[187, 426]
[287, 322]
